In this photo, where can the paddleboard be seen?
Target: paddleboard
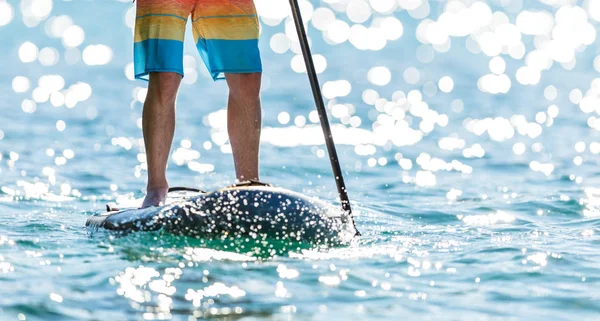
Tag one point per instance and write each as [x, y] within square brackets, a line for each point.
[246, 210]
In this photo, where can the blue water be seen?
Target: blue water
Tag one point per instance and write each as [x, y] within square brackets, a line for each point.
[495, 240]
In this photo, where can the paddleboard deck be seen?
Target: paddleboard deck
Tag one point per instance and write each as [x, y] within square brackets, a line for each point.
[247, 210]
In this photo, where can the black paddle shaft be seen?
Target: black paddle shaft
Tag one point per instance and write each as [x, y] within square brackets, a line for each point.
[316, 89]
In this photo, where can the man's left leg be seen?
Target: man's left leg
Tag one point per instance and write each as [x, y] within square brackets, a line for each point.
[244, 122]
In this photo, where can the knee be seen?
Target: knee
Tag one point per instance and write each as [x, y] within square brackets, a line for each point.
[163, 86]
[244, 86]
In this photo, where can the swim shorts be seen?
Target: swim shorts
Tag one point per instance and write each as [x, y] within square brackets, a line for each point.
[226, 34]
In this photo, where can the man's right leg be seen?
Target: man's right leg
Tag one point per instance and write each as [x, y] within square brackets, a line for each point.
[244, 123]
[158, 125]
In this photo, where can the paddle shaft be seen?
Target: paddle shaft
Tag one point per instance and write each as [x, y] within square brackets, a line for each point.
[316, 89]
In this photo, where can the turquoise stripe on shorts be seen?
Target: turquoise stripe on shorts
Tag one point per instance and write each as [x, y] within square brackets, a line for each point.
[229, 56]
[157, 55]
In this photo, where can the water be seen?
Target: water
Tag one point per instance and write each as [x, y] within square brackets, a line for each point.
[468, 213]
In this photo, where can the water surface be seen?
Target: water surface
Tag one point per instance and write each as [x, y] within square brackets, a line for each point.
[474, 179]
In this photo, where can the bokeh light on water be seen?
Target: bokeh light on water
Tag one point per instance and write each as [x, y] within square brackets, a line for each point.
[468, 131]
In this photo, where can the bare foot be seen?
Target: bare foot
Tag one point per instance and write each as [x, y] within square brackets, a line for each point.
[155, 197]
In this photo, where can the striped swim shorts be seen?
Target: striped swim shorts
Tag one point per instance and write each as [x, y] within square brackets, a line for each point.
[226, 34]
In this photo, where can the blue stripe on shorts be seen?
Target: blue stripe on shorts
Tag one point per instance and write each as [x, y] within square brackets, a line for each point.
[157, 55]
[230, 56]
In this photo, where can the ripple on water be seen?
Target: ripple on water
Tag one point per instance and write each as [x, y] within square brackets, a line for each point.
[469, 152]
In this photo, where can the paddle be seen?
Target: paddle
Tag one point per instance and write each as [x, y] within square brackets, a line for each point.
[316, 89]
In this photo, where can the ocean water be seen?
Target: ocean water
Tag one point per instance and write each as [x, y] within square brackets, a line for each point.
[467, 131]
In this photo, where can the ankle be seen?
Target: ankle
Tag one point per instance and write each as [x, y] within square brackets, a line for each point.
[251, 177]
[155, 185]
[157, 189]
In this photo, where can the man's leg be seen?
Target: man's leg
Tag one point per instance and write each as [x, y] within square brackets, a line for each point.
[158, 125]
[244, 123]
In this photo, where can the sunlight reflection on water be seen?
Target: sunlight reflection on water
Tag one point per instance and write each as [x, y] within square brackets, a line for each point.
[468, 131]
